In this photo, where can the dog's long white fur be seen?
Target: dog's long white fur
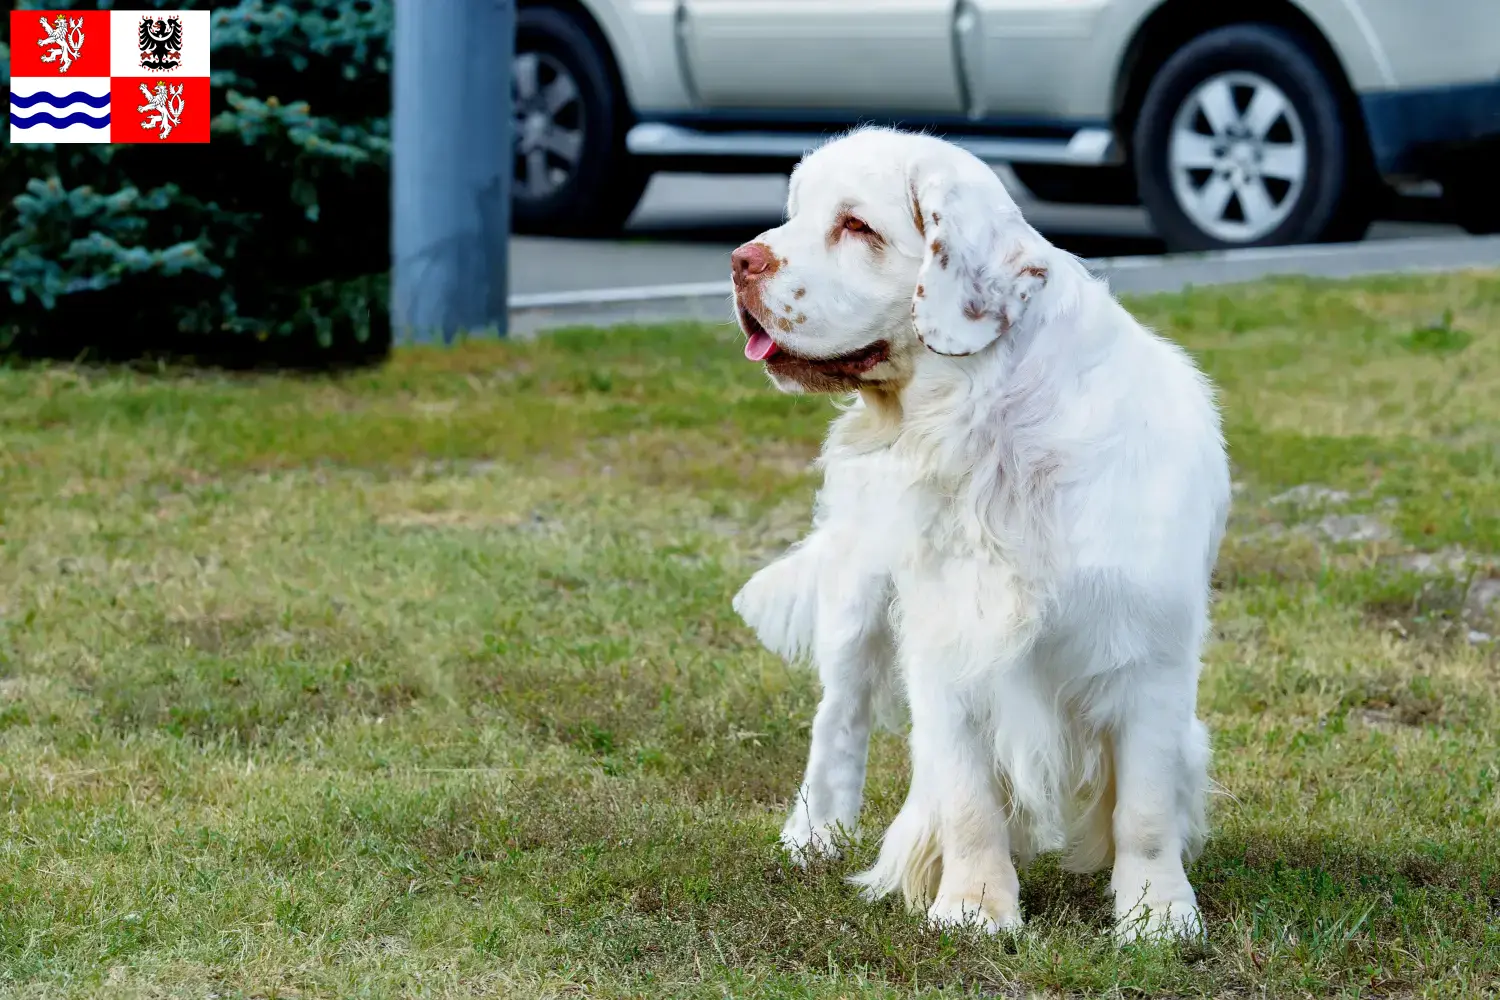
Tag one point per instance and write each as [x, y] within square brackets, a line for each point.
[1016, 529]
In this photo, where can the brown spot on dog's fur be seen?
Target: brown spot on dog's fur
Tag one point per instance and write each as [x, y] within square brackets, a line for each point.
[799, 293]
[788, 308]
[801, 318]
[921, 292]
[884, 403]
[748, 297]
[1035, 270]
[916, 212]
[783, 324]
[974, 309]
[936, 217]
[940, 251]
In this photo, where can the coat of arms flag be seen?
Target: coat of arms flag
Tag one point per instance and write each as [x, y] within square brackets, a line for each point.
[109, 76]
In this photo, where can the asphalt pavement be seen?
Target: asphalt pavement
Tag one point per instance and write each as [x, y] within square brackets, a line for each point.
[687, 224]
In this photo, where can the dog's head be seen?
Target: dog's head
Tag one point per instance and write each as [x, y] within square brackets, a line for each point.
[895, 244]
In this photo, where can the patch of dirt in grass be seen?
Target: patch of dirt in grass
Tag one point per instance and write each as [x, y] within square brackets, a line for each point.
[1400, 707]
[1311, 495]
[1451, 594]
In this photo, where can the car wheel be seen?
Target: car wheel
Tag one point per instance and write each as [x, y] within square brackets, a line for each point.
[572, 172]
[1241, 141]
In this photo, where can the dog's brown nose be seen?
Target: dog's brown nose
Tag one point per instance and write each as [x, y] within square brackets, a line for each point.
[750, 261]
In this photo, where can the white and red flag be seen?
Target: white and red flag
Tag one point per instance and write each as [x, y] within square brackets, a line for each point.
[109, 76]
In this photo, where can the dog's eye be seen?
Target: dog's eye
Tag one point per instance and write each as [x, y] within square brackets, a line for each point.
[853, 225]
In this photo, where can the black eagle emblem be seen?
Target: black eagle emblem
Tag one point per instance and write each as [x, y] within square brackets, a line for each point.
[161, 43]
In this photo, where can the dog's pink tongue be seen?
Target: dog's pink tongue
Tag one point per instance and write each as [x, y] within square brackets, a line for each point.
[760, 346]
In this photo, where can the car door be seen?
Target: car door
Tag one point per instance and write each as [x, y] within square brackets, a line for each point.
[859, 57]
[1043, 60]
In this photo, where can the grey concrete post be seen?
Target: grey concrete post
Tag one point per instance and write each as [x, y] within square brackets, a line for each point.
[451, 166]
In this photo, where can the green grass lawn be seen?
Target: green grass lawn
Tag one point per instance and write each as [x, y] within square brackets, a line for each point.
[424, 681]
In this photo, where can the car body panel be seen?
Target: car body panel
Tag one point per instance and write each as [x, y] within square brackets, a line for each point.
[851, 55]
[1437, 43]
[1420, 132]
[1055, 59]
[642, 38]
[1038, 80]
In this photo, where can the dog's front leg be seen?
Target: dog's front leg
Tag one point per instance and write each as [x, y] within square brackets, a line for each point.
[854, 652]
[817, 601]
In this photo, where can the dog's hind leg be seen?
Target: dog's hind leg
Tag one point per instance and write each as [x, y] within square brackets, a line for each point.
[1161, 761]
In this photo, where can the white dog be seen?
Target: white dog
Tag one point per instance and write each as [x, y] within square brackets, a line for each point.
[1021, 510]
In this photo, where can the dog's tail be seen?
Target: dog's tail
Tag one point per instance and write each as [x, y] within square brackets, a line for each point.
[1091, 833]
[910, 860]
[780, 604]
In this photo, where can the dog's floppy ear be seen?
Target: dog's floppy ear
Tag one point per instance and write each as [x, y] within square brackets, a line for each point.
[982, 266]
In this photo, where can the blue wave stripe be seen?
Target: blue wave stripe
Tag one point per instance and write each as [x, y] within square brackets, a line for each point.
[42, 97]
[43, 118]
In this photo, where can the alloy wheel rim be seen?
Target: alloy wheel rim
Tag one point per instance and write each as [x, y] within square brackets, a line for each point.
[549, 125]
[1237, 156]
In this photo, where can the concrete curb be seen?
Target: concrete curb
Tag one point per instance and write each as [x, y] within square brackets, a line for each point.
[704, 301]
[1173, 273]
[711, 301]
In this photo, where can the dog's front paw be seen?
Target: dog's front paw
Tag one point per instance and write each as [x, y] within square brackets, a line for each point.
[1158, 919]
[806, 841]
[991, 914]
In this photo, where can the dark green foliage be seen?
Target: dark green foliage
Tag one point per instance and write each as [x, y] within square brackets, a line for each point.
[277, 231]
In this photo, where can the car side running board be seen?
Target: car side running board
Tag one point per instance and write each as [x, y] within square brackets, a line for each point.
[1088, 147]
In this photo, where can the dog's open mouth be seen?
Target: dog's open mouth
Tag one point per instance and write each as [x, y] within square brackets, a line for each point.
[759, 346]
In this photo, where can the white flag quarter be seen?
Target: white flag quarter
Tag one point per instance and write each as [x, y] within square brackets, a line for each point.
[161, 44]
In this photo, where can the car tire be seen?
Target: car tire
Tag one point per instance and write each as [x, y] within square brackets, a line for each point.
[573, 175]
[1242, 140]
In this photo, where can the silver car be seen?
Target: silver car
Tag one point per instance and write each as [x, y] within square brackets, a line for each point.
[1243, 124]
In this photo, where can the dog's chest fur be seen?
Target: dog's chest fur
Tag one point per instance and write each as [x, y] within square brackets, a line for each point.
[954, 553]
